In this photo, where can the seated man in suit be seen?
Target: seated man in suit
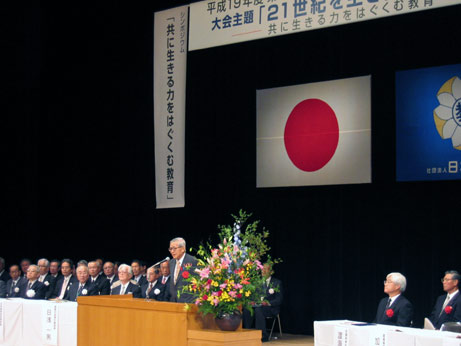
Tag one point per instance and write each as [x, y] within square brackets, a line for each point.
[55, 267]
[3, 274]
[32, 288]
[2, 289]
[25, 263]
[13, 286]
[137, 266]
[395, 310]
[100, 281]
[83, 288]
[109, 272]
[270, 306]
[45, 277]
[153, 288]
[181, 260]
[63, 281]
[165, 270]
[448, 306]
[125, 285]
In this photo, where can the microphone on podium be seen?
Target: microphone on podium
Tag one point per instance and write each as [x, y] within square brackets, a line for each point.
[160, 262]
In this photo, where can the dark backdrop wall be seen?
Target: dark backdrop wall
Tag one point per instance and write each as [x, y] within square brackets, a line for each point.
[79, 162]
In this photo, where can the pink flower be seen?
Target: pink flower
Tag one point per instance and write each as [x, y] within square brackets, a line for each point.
[238, 286]
[204, 273]
[223, 286]
[232, 294]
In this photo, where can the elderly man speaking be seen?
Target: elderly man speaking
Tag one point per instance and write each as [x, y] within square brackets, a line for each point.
[395, 310]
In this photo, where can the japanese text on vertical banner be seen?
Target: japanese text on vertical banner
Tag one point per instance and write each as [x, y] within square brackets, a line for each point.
[221, 22]
[170, 49]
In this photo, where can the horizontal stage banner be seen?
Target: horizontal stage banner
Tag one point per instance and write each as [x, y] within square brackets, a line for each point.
[221, 22]
[170, 58]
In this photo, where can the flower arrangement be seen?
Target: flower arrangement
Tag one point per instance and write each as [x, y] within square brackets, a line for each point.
[228, 276]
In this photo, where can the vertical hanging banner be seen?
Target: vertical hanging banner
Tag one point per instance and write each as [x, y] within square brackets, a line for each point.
[170, 58]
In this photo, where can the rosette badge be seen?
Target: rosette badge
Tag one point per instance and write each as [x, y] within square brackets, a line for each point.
[84, 292]
[447, 116]
[30, 293]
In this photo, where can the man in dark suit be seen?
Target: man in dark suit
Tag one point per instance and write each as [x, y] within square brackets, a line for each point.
[55, 268]
[137, 266]
[270, 306]
[3, 274]
[45, 277]
[395, 310]
[2, 289]
[180, 263]
[153, 288]
[448, 306]
[125, 285]
[32, 288]
[13, 286]
[100, 281]
[65, 280]
[165, 271]
[25, 263]
[84, 287]
[109, 272]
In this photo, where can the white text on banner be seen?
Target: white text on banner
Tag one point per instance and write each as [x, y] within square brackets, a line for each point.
[170, 58]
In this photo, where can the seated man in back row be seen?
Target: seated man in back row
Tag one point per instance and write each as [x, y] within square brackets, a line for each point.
[395, 310]
[271, 308]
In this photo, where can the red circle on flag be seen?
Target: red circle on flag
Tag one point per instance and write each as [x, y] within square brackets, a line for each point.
[311, 135]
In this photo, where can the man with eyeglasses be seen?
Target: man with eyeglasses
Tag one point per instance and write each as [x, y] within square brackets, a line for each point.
[448, 306]
[45, 277]
[180, 263]
[395, 310]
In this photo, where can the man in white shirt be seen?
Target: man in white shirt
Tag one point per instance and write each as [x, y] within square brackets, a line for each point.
[124, 284]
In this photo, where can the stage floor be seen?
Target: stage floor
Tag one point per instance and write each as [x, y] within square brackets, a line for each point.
[290, 340]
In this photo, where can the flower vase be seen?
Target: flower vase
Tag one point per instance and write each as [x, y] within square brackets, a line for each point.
[229, 322]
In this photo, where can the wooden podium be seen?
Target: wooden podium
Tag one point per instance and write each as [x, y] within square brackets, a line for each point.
[123, 320]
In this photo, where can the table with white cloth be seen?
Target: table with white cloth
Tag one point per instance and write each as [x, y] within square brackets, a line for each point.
[350, 333]
[26, 322]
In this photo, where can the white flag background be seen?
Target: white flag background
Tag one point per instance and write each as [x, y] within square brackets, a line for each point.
[170, 53]
[347, 162]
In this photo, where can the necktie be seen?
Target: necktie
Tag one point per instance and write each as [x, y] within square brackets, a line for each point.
[164, 280]
[30, 285]
[176, 273]
[149, 289]
[80, 289]
[63, 287]
[447, 300]
[122, 290]
[388, 303]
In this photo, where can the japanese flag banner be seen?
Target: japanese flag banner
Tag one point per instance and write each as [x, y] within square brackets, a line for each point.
[314, 134]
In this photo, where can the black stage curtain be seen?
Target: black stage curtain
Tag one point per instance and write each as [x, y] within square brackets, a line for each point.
[80, 162]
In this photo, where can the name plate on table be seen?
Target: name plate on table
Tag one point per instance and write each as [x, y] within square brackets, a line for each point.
[341, 336]
[2, 319]
[50, 324]
[377, 337]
